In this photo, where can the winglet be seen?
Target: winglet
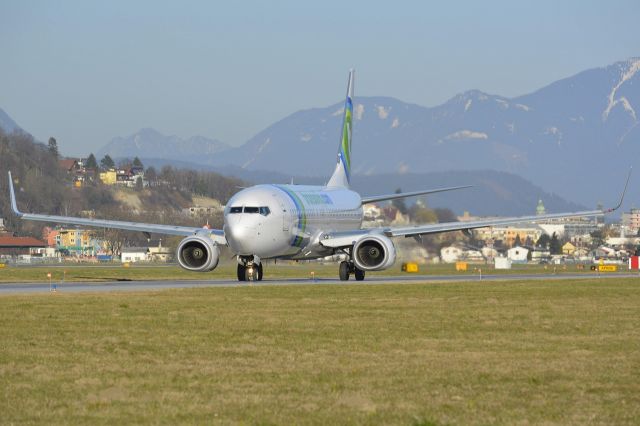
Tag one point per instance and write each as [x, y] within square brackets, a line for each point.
[14, 204]
[624, 191]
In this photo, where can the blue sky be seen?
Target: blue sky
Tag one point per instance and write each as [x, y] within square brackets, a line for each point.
[86, 71]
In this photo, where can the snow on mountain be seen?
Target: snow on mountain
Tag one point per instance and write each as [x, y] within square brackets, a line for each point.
[574, 136]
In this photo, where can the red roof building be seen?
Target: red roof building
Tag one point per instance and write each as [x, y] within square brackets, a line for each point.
[10, 245]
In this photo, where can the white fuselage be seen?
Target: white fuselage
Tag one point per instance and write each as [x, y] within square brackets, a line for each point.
[287, 221]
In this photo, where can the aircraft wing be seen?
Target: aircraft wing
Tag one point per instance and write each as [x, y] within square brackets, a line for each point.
[410, 231]
[375, 199]
[348, 238]
[216, 235]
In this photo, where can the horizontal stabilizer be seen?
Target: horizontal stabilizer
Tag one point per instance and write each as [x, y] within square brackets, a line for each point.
[375, 199]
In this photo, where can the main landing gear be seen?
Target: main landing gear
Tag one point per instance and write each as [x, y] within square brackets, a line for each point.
[249, 269]
[348, 268]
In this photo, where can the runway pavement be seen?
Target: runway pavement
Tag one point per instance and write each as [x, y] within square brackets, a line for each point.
[76, 287]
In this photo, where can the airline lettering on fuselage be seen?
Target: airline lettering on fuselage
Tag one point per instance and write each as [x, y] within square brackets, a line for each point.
[316, 199]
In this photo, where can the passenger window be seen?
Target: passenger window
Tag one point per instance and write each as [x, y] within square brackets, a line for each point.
[264, 211]
[235, 210]
[251, 209]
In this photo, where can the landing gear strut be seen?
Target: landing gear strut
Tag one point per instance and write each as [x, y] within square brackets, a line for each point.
[348, 268]
[249, 269]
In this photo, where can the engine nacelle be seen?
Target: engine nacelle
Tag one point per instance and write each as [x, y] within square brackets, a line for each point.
[199, 254]
[374, 253]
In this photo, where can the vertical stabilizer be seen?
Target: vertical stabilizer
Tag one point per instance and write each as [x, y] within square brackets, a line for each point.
[341, 177]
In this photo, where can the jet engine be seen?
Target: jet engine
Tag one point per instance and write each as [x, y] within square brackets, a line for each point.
[199, 254]
[374, 253]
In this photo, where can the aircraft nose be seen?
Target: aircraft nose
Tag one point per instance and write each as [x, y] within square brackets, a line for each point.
[240, 238]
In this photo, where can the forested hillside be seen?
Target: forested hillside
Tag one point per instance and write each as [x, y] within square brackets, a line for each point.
[42, 186]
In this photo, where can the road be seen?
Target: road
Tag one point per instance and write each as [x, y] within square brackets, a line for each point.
[76, 287]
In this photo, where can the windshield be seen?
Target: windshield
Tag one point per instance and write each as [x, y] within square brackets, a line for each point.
[264, 211]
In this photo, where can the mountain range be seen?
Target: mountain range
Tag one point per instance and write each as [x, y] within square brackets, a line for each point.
[7, 124]
[575, 137]
[149, 143]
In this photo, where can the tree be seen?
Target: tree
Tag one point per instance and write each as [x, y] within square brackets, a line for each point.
[423, 215]
[399, 203]
[554, 245]
[597, 238]
[53, 147]
[151, 175]
[107, 162]
[137, 162]
[517, 242]
[543, 241]
[445, 215]
[91, 162]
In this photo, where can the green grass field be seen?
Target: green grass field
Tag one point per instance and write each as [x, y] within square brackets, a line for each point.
[456, 353]
[227, 270]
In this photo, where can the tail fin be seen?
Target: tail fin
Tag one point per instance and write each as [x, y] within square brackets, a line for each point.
[341, 177]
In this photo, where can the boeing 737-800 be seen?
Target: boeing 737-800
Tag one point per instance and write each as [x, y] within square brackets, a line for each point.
[297, 222]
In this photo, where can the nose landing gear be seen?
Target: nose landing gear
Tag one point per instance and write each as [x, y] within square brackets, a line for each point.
[249, 269]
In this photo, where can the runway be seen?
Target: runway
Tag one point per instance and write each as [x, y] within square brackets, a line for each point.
[124, 286]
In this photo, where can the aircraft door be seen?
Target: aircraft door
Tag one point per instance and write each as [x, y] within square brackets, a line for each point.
[285, 216]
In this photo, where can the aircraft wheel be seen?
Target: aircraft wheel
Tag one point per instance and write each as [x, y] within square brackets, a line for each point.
[242, 273]
[359, 273]
[343, 272]
[259, 268]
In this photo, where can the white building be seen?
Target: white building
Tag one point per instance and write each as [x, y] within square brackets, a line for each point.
[135, 254]
[451, 254]
[518, 254]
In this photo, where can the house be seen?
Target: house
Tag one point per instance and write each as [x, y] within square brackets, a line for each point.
[159, 253]
[518, 254]
[373, 213]
[19, 246]
[79, 242]
[582, 253]
[195, 211]
[69, 165]
[631, 221]
[540, 254]
[134, 254]
[568, 249]
[455, 253]
[489, 252]
[108, 177]
[451, 254]
[509, 234]
[129, 177]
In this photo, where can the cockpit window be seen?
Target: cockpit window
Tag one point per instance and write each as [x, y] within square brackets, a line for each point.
[264, 211]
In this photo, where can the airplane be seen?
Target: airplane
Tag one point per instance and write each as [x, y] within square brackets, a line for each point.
[300, 222]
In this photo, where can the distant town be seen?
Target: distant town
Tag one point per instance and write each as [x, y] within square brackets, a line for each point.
[577, 240]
